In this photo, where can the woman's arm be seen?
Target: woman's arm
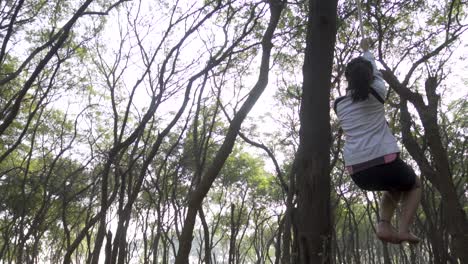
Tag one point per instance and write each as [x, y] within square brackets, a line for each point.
[378, 84]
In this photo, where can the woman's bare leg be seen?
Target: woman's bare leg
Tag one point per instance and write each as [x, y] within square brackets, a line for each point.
[409, 206]
[385, 230]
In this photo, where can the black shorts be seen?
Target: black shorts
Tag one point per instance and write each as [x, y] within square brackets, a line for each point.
[393, 176]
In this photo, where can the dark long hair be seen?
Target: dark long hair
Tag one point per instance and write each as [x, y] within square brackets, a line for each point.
[359, 76]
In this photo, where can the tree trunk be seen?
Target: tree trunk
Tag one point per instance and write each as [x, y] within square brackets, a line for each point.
[439, 173]
[232, 238]
[313, 170]
[206, 234]
[108, 252]
[288, 221]
[197, 196]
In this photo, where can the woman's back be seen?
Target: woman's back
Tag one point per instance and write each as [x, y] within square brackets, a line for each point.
[364, 124]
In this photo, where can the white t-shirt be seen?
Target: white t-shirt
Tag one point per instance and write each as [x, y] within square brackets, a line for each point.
[364, 125]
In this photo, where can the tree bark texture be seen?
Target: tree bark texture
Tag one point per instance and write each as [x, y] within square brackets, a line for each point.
[313, 168]
[438, 170]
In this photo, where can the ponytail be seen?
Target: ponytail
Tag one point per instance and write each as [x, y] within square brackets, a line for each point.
[359, 76]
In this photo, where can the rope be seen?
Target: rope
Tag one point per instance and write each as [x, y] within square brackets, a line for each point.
[359, 11]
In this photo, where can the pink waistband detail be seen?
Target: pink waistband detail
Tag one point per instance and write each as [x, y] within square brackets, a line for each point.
[387, 159]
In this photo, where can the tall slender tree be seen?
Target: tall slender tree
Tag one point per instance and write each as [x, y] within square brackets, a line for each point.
[313, 220]
[196, 196]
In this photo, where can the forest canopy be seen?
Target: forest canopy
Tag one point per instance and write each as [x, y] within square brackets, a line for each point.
[139, 131]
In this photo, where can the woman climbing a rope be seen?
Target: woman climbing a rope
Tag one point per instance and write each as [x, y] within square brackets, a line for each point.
[371, 152]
